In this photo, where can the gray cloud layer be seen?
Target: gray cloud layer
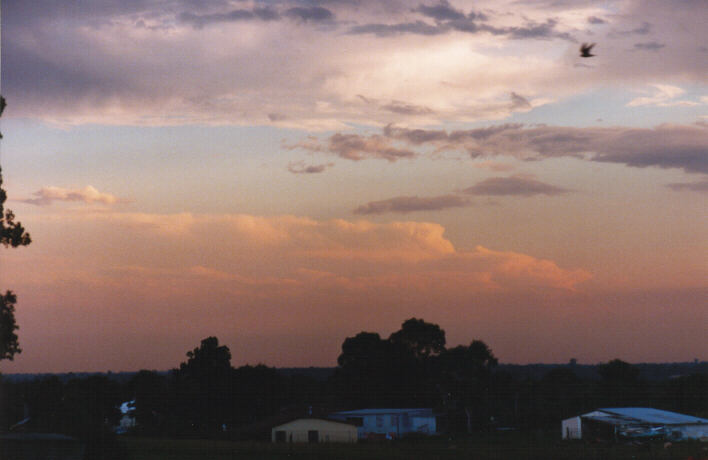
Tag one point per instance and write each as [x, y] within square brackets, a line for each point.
[514, 186]
[301, 168]
[665, 146]
[701, 186]
[405, 204]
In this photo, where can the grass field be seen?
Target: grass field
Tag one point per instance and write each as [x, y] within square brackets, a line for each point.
[512, 447]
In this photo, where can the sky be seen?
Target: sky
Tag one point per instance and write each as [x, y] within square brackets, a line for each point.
[283, 174]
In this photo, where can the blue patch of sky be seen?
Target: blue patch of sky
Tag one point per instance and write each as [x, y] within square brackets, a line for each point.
[608, 107]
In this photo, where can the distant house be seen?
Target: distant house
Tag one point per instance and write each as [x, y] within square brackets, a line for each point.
[314, 430]
[389, 423]
[634, 422]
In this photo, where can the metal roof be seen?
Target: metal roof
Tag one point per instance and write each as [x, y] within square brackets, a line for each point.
[359, 412]
[653, 416]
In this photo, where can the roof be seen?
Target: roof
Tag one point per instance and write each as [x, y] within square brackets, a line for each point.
[642, 416]
[654, 416]
[319, 419]
[414, 411]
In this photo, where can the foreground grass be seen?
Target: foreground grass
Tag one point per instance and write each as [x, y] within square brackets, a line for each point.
[500, 448]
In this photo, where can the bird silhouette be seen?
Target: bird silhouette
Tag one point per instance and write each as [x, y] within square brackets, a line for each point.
[585, 50]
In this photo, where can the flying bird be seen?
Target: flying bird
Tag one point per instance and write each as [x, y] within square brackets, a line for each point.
[585, 50]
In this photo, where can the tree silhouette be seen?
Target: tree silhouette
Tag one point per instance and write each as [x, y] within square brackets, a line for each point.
[203, 387]
[12, 234]
[421, 338]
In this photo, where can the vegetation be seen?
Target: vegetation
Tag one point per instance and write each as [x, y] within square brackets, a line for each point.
[541, 446]
[206, 397]
[12, 234]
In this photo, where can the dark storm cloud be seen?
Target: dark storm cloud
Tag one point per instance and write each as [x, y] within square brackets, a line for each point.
[649, 46]
[314, 14]
[405, 204]
[299, 167]
[701, 186]
[514, 186]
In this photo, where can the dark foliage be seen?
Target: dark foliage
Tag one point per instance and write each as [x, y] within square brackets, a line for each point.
[12, 234]
[208, 398]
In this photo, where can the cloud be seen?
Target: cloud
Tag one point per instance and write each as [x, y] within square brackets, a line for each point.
[649, 46]
[441, 12]
[202, 20]
[388, 30]
[701, 186]
[665, 146]
[643, 29]
[89, 194]
[467, 24]
[513, 186]
[494, 166]
[403, 108]
[355, 147]
[254, 250]
[67, 64]
[277, 117]
[313, 13]
[519, 102]
[664, 96]
[596, 20]
[406, 204]
[299, 167]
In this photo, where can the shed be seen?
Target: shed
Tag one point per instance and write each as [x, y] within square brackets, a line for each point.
[390, 423]
[634, 422]
[314, 430]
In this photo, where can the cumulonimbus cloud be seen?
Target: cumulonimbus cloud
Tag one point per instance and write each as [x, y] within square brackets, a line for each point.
[89, 194]
[344, 248]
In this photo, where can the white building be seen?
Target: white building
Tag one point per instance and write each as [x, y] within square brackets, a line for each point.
[389, 423]
[314, 430]
[634, 422]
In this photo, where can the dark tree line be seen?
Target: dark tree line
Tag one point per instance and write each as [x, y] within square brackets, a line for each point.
[207, 397]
